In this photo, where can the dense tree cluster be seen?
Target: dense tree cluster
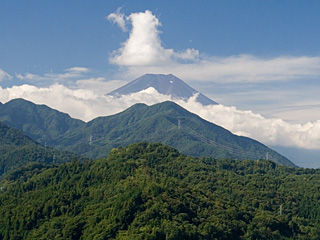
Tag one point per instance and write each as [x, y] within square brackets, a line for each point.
[151, 191]
[17, 150]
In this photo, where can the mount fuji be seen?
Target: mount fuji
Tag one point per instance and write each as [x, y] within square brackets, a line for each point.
[164, 84]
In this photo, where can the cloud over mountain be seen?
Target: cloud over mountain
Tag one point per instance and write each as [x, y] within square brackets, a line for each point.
[81, 94]
[87, 104]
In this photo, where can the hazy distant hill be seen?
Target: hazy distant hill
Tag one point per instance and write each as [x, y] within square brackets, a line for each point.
[151, 191]
[164, 84]
[17, 150]
[307, 158]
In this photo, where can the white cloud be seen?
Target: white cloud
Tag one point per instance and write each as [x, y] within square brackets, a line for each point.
[87, 104]
[118, 18]
[243, 68]
[189, 54]
[294, 102]
[255, 76]
[78, 69]
[271, 131]
[143, 47]
[99, 85]
[79, 103]
[69, 74]
[298, 113]
[68, 77]
[4, 75]
[144, 52]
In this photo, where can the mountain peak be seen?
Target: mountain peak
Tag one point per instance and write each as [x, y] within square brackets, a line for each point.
[164, 84]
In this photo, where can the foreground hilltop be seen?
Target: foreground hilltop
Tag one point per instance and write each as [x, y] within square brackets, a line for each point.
[151, 191]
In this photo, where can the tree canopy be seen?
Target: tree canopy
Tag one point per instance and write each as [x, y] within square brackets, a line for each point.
[151, 191]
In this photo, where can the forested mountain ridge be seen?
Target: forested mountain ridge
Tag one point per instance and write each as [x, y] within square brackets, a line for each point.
[151, 191]
[41, 123]
[11, 136]
[17, 150]
[165, 122]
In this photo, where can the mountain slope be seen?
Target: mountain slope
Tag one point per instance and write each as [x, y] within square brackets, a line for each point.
[164, 84]
[151, 191]
[164, 122]
[41, 123]
[18, 150]
[167, 123]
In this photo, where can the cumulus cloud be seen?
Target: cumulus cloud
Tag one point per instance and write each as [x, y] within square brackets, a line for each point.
[87, 104]
[144, 52]
[4, 75]
[144, 47]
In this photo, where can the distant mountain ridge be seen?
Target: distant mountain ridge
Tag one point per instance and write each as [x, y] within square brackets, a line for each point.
[165, 122]
[164, 84]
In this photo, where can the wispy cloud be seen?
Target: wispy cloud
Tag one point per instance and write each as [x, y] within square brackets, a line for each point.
[144, 52]
[291, 101]
[243, 68]
[118, 18]
[99, 85]
[4, 75]
[78, 70]
[68, 77]
[87, 104]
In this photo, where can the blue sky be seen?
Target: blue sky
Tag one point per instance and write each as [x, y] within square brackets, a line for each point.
[39, 36]
[262, 57]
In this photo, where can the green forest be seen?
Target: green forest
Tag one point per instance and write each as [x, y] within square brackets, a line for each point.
[151, 191]
[17, 150]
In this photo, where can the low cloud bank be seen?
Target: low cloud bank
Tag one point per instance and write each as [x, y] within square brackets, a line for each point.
[87, 104]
